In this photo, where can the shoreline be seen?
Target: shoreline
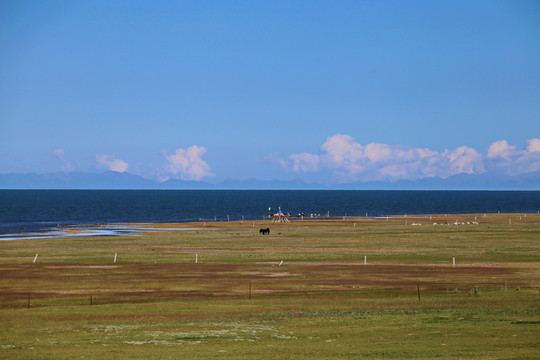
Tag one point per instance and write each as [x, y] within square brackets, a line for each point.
[138, 229]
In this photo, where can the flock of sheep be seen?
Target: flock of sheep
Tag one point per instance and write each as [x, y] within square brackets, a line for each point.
[455, 223]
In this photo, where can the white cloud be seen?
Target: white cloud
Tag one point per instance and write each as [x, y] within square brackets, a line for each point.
[304, 162]
[375, 161]
[501, 149]
[110, 162]
[507, 159]
[464, 160]
[533, 145]
[67, 165]
[527, 160]
[379, 152]
[187, 163]
[341, 150]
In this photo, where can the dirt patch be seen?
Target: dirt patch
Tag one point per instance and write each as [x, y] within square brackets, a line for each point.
[81, 267]
[268, 274]
[100, 291]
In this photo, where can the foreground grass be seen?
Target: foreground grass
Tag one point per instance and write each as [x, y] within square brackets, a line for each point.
[407, 301]
[278, 327]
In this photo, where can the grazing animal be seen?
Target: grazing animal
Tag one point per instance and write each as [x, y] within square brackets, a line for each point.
[264, 231]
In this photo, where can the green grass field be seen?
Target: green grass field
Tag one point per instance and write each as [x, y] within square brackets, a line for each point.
[302, 292]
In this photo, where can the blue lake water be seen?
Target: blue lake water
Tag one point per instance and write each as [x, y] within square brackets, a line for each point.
[35, 210]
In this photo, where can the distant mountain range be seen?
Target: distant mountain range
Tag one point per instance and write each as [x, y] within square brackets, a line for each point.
[486, 181]
[116, 180]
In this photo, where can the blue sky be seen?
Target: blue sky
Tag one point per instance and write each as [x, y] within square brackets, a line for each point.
[325, 91]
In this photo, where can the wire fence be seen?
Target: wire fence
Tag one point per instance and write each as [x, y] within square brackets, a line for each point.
[416, 292]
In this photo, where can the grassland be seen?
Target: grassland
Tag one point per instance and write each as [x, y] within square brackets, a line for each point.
[313, 289]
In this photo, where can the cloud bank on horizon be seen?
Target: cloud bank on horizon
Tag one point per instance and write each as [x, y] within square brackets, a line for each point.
[346, 160]
[349, 161]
